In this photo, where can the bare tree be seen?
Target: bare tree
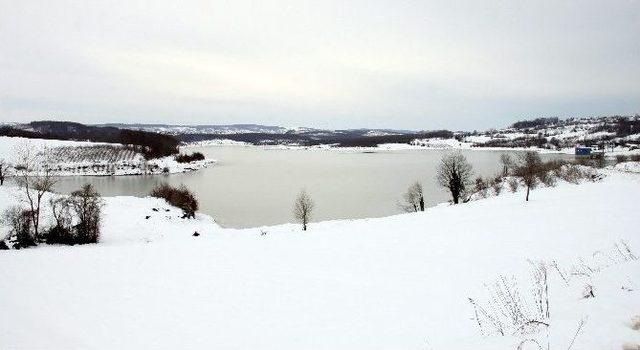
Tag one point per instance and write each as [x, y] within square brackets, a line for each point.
[3, 171]
[454, 173]
[413, 199]
[35, 183]
[302, 209]
[530, 170]
[507, 163]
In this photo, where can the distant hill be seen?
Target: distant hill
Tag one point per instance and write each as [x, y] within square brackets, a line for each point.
[163, 139]
[266, 134]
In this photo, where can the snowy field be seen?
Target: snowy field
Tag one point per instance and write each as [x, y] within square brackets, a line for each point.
[72, 158]
[399, 282]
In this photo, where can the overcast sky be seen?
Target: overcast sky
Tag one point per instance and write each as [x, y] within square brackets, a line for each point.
[337, 64]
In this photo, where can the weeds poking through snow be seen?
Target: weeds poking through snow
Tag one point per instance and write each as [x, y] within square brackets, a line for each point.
[635, 323]
[619, 253]
[508, 310]
[541, 289]
[554, 264]
[529, 341]
[588, 292]
[582, 322]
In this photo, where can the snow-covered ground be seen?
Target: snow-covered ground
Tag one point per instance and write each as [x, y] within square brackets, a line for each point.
[72, 158]
[400, 282]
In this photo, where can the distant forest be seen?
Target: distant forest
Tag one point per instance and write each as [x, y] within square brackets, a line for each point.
[151, 145]
[340, 138]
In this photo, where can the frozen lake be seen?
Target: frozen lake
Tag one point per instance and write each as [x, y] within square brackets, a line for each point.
[253, 186]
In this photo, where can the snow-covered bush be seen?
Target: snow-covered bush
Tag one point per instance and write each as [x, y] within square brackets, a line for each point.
[20, 225]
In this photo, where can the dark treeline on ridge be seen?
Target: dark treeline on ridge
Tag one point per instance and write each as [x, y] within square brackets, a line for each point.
[150, 144]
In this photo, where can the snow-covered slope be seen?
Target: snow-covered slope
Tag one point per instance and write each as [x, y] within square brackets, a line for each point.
[400, 282]
[71, 158]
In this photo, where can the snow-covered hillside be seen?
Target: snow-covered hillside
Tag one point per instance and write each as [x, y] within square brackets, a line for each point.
[64, 158]
[399, 282]
[557, 133]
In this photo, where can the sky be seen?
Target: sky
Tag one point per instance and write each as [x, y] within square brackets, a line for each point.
[459, 65]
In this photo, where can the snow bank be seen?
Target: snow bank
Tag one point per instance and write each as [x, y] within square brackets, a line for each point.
[400, 282]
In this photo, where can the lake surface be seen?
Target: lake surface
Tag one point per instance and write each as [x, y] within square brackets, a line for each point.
[253, 186]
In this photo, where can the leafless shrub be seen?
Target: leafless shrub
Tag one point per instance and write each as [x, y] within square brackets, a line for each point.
[481, 186]
[179, 197]
[454, 173]
[571, 173]
[513, 184]
[635, 157]
[635, 323]
[496, 184]
[302, 208]
[621, 158]
[584, 161]
[413, 199]
[86, 205]
[60, 232]
[77, 218]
